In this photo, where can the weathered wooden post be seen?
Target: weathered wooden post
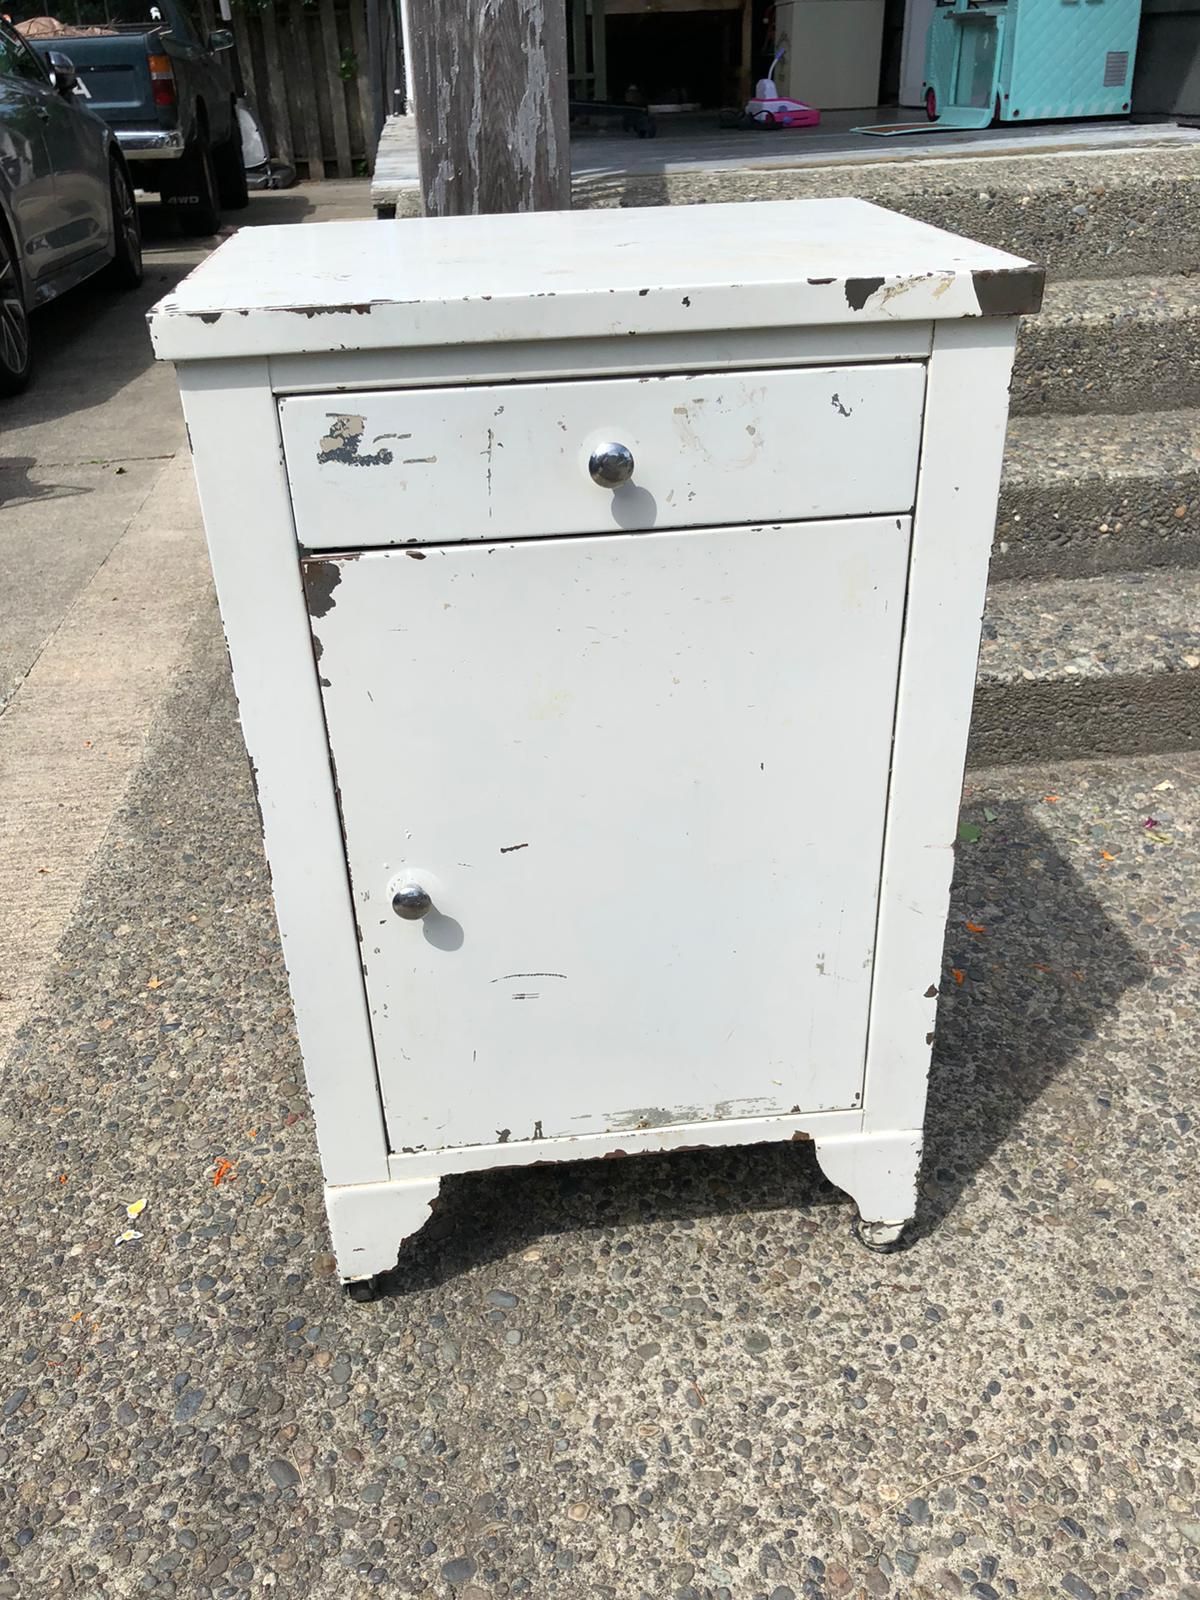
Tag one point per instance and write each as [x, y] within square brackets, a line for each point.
[490, 84]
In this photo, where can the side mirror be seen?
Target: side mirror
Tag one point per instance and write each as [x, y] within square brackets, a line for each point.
[62, 72]
[221, 39]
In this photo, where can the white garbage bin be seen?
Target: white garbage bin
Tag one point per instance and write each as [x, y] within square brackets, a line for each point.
[603, 594]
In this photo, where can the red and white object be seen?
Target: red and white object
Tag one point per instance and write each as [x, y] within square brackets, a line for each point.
[774, 110]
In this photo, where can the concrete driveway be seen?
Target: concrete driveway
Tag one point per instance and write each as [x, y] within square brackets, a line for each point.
[671, 1376]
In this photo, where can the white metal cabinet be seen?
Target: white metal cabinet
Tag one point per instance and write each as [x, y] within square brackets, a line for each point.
[603, 615]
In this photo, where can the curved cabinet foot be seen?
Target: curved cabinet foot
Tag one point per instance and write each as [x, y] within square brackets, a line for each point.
[879, 1173]
[368, 1223]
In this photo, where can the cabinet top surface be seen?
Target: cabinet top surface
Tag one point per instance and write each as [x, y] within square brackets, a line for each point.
[580, 274]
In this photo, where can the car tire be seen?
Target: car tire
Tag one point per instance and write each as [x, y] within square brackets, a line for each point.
[124, 271]
[194, 193]
[231, 170]
[16, 349]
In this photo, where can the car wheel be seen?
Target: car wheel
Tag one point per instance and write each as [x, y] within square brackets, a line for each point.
[231, 170]
[125, 269]
[195, 194]
[16, 352]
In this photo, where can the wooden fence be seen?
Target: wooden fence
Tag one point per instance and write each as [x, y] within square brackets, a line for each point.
[305, 66]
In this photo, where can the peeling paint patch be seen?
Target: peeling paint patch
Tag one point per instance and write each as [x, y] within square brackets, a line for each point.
[321, 578]
[1009, 292]
[842, 411]
[344, 440]
[507, 849]
[860, 290]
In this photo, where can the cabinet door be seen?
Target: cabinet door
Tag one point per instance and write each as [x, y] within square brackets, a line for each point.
[644, 781]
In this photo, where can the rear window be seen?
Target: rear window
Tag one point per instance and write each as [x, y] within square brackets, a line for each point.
[39, 21]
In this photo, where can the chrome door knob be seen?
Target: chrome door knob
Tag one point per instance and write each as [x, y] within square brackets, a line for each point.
[611, 465]
[411, 902]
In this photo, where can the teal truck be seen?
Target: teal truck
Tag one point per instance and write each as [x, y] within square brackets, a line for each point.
[165, 86]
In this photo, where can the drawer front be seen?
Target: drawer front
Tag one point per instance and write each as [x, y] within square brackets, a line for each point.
[433, 466]
[642, 781]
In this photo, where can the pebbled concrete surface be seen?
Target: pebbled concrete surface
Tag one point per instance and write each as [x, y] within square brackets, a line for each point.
[1082, 497]
[1097, 214]
[664, 1377]
[1079, 666]
[1110, 345]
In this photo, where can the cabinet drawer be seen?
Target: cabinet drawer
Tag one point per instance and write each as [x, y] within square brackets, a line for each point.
[433, 466]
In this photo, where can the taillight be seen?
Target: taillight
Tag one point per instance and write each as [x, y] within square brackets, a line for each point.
[162, 80]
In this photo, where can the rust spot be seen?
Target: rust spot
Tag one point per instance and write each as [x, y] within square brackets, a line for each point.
[321, 578]
[860, 290]
[415, 555]
[928, 1038]
[503, 1135]
[931, 992]
[819, 282]
[843, 411]
[612, 1155]
[537, 1129]
[211, 316]
[687, 300]
[1009, 291]
[507, 849]
[800, 1138]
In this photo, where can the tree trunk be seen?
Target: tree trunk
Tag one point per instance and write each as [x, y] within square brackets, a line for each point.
[490, 82]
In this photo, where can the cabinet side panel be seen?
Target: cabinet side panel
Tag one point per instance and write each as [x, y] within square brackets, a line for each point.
[233, 425]
[965, 414]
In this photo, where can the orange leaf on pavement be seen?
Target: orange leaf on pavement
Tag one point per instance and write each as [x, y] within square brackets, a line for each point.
[223, 1169]
[957, 974]
[976, 927]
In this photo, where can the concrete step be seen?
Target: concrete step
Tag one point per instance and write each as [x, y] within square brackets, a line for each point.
[1088, 666]
[1082, 213]
[1085, 495]
[1111, 345]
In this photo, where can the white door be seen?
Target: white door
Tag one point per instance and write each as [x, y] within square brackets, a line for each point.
[918, 14]
[643, 778]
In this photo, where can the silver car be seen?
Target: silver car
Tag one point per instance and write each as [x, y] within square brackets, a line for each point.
[67, 209]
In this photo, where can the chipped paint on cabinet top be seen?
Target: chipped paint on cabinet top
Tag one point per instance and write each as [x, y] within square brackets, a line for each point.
[580, 274]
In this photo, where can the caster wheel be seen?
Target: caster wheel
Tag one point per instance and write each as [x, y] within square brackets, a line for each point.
[883, 1237]
[363, 1290]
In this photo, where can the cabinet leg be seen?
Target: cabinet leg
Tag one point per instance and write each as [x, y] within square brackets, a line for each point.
[879, 1173]
[368, 1222]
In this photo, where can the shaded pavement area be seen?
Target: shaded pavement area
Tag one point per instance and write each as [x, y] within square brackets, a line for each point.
[673, 1376]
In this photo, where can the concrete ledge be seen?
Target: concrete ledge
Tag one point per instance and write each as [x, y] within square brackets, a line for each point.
[1080, 666]
[1095, 213]
[1111, 345]
[1082, 496]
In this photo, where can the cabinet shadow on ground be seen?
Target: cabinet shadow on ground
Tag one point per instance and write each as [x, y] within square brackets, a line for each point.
[1037, 985]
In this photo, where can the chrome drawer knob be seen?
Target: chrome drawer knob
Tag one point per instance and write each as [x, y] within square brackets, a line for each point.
[611, 465]
[411, 902]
